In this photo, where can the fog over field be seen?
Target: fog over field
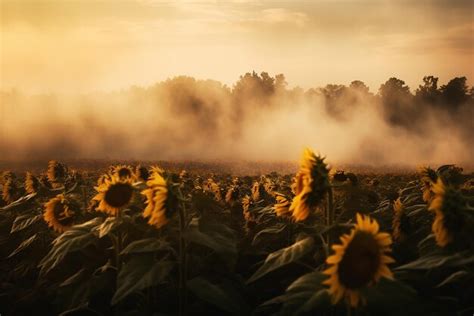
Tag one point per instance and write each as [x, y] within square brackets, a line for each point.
[258, 118]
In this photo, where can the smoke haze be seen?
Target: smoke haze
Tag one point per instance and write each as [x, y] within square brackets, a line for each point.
[258, 119]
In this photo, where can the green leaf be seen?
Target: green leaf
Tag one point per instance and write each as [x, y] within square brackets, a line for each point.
[270, 230]
[107, 226]
[23, 245]
[139, 273]
[24, 221]
[455, 277]
[147, 245]
[438, 260]
[75, 238]
[218, 296]
[76, 277]
[389, 294]
[283, 257]
[18, 202]
[215, 236]
[305, 294]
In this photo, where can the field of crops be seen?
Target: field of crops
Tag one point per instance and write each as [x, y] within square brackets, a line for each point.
[143, 240]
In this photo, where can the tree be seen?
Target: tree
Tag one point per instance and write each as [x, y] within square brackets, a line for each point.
[455, 93]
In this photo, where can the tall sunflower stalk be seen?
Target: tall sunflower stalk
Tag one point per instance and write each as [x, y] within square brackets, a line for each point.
[183, 268]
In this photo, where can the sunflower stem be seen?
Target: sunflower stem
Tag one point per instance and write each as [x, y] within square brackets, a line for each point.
[329, 214]
[182, 257]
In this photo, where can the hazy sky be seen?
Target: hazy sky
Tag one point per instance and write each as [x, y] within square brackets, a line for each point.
[86, 45]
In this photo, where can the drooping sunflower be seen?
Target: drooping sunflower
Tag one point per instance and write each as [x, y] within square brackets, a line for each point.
[269, 187]
[428, 178]
[32, 183]
[58, 213]
[310, 186]
[401, 222]
[282, 206]
[160, 200]
[123, 172]
[232, 194]
[214, 188]
[114, 194]
[246, 204]
[142, 173]
[359, 261]
[56, 171]
[9, 191]
[449, 207]
[258, 191]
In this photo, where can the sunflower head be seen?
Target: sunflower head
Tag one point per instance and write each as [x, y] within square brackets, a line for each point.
[32, 184]
[56, 171]
[232, 195]
[401, 222]
[359, 261]
[427, 177]
[114, 194]
[9, 191]
[310, 185]
[58, 213]
[123, 172]
[258, 191]
[282, 206]
[449, 206]
[161, 201]
[246, 204]
[214, 188]
[7, 175]
[142, 173]
[269, 186]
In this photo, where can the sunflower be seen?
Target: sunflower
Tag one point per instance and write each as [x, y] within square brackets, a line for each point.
[232, 194]
[310, 186]
[123, 172]
[400, 221]
[56, 171]
[114, 194]
[32, 184]
[359, 261]
[246, 204]
[449, 208]
[9, 191]
[258, 191]
[269, 187]
[282, 206]
[160, 199]
[428, 178]
[213, 187]
[142, 173]
[58, 214]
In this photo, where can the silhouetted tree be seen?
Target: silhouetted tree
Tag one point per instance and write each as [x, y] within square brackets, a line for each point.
[396, 101]
[455, 93]
[428, 93]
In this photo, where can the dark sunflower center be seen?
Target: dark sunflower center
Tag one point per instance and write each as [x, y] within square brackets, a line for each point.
[124, 173]
[63, 215]
[119, 194]
[360, 261]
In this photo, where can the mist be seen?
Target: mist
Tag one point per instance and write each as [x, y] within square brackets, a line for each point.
[259, 118]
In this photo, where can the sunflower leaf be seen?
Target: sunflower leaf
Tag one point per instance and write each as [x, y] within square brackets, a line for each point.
[23, 245]
[218, 296]
[147, 245]
[304, 295]
[283, 257]
[24, 221]
[139, 273]
[75, 238]
[438, 260]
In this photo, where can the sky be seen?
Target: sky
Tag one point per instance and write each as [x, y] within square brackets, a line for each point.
[50, 46]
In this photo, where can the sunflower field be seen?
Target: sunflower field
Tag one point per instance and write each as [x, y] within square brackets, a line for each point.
[143, 240]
